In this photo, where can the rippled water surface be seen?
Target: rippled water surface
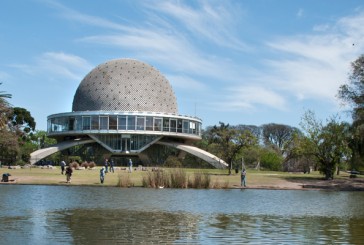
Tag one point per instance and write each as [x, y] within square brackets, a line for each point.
[91, 215]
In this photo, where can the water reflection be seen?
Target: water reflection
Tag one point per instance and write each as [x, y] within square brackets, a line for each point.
[110, 226]
[82, 215]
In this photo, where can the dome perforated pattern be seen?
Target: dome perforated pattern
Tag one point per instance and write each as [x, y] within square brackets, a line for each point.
[125, 85]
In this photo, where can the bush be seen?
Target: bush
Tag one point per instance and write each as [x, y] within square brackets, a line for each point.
[20, 162]
[173, 162]
[74, 165]
[91, 165]
[85, 165]
[271, 161]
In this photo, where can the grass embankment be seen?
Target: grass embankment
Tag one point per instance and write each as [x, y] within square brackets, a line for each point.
[217, 178]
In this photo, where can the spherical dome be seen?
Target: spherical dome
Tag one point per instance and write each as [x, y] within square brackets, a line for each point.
[125, 85]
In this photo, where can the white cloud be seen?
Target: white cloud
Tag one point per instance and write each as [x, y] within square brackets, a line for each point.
[57, 63]
[314, 66]
[215, 22]
[247, 97]
[186, 83]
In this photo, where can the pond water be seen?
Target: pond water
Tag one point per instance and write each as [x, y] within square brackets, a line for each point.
[106, 215]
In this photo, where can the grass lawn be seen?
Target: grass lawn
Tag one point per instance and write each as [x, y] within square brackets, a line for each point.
[219, 178]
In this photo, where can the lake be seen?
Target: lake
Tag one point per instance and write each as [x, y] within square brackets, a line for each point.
[32, 214]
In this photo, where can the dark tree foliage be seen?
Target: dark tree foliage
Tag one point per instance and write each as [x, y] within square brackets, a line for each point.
[22, 121]
[327, 144]
[228, 142]
[353, 93]
[255, 130]
[278, 136]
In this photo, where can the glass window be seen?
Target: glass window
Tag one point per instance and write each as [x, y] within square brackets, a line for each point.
[173, 125]
[166, 124]
[192, 127]
[95, 122]
[157, 124]
[149, 123]
[113, 120]
[185, 126]
[131, 123]
[104, 123]
[122, 122]
[86, 123]
[71, 123]
[140, 123]
[78, 123]
[179, 125]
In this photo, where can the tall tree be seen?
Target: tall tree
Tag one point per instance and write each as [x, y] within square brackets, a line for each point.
[328, 144]
[278, 136]
[229, 142]
[22, 121]
[4, 108]
[353, 93]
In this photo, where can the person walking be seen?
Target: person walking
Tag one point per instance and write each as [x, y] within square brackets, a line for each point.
[112, 165]
[106, 164]
[69, 172]
[243, 178]
[130, 166]
[102, 175]
[63, 165]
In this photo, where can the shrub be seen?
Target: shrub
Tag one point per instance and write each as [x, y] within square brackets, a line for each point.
[91, 164]
[74, 165]
[173, 162]
[270, 160]
[85, 164]
[20, 162]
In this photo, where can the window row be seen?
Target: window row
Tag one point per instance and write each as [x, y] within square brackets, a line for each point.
[123, 122]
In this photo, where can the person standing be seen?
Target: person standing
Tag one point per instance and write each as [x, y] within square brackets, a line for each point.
[63, 165]
[69, 172]
[102, 175]
[130, 166]
[112, 165]
[106, 164]
[243, 178]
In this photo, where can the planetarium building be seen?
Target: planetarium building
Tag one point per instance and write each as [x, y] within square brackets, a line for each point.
[125, 106]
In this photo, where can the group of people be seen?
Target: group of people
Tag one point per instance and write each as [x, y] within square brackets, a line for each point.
[110, 164]
[108, 167]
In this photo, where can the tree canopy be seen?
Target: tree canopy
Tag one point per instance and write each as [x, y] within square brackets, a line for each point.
[326, 143]
[353, 93]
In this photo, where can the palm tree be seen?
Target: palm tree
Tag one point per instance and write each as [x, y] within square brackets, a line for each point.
[4, 108]
[2, 95]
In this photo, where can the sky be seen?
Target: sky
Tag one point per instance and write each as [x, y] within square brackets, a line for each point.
[248, 62]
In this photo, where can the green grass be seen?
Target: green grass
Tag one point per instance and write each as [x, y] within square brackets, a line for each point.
[219, 178]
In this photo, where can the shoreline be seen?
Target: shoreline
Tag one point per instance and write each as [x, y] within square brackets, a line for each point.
[302, 187]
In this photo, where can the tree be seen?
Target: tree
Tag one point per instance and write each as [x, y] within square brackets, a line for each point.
[4, 108]
[328, 144]
[278, 136]
[229, 142]
[22, 121]
[353, 93]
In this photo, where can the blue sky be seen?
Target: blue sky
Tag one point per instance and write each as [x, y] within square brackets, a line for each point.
[240, 62]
